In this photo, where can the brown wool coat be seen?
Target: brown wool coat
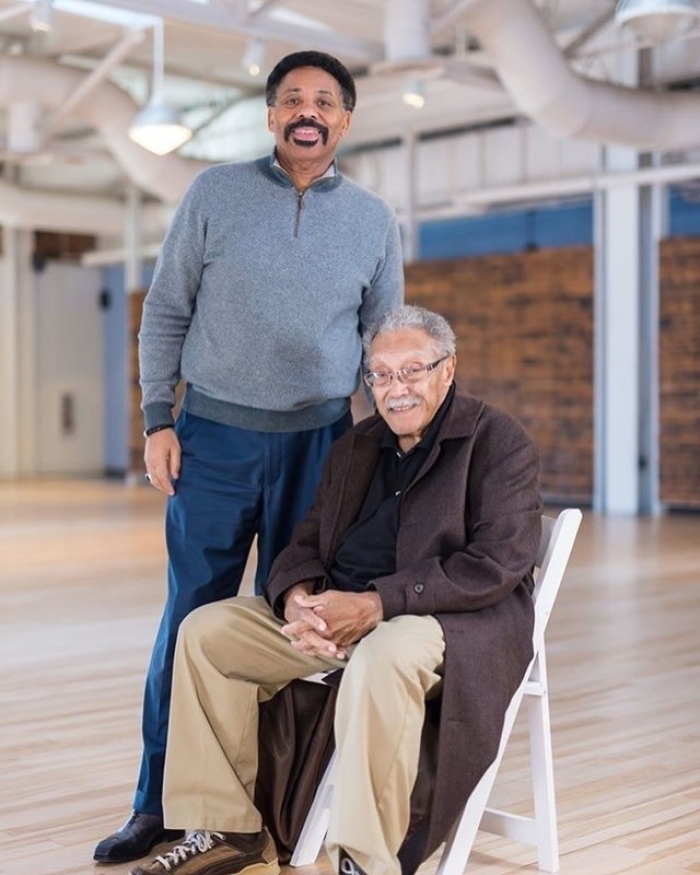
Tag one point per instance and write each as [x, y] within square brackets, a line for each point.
[468, 534]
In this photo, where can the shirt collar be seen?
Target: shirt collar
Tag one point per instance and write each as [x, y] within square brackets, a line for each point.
[425, 444]
[329, 174]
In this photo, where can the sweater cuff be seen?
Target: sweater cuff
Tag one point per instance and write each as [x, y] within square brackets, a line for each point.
[159, 413]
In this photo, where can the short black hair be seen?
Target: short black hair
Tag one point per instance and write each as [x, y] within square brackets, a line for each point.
[312, 59]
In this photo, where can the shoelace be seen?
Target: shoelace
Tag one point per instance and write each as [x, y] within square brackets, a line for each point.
[196, 843]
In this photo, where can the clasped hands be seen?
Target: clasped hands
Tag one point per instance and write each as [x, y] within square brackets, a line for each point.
[327, 623]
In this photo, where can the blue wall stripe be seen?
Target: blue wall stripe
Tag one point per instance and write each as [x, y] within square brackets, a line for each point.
[545, 227]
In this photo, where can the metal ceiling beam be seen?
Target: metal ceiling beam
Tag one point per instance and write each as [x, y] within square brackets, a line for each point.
[217, 18]
[217, 113]
[459, 70]
[444, 20]
[94, 41]
[264, 6]
[449, 15]
[92, 80]
[588, 32]
[181, 71]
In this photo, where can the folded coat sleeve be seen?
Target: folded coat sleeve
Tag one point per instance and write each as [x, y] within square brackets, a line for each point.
[502, 523]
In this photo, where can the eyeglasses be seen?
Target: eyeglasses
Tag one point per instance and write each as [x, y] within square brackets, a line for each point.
[413, 374]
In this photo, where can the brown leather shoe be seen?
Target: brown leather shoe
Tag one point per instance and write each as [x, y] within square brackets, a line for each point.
[135, 839]
[215, 853]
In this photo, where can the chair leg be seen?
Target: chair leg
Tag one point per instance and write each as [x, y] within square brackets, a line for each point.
[459, 843]
[542, 767]
[315, 827]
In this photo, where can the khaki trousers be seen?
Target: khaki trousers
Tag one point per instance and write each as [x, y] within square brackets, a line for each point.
[230, 656]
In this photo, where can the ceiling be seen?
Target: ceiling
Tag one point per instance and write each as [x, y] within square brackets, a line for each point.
[205, 43]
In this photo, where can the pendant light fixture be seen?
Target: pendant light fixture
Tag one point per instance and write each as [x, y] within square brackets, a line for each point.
[158, 127]
[658, 21]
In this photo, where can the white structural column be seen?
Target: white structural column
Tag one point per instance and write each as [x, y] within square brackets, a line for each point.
[9, 354]
[630, 222]
[410, 223]
[654, 215]
[132, 240]
[653, 226]
[17, 355]
[617, 323]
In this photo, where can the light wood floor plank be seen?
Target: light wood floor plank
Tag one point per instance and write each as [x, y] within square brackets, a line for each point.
[81, 588]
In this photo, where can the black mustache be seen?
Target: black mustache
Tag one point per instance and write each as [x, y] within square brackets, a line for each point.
[306, 123]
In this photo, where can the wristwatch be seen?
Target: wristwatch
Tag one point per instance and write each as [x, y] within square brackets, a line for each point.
[154, 428]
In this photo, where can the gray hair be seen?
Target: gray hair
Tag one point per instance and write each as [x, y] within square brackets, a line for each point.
[411, 316]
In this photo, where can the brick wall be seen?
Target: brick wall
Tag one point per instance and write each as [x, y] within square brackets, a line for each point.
[524, 324]
[679, 372]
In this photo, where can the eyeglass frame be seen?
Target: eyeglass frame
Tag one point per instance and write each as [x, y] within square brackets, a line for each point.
[400, 374]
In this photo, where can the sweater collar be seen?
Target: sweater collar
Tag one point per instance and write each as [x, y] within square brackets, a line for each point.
[270, 167]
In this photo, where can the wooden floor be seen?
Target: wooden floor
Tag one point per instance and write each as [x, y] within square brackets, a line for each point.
[81, 586]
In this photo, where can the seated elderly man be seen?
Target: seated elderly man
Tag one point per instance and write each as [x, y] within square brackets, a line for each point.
[412, 572]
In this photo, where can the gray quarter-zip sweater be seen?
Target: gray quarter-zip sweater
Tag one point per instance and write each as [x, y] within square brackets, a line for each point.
[260, 295]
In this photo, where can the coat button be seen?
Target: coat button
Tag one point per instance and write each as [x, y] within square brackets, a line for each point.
[418, 587]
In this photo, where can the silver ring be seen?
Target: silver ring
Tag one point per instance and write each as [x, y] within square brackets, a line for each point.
[147, 477]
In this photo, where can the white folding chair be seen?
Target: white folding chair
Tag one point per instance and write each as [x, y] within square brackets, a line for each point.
[558, 536]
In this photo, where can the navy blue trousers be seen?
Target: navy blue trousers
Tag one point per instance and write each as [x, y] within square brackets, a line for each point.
[234, 484]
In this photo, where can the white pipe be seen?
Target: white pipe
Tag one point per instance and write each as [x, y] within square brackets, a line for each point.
[109, 110]
[406, 29]
[24, 208]
[468, 201]
[106, 257]
[664, 174]
[158, 57]
[544, 87]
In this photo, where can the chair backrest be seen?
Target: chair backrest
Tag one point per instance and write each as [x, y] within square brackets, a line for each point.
[556, 544]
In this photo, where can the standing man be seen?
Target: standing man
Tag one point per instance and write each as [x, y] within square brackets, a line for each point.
[267, 276]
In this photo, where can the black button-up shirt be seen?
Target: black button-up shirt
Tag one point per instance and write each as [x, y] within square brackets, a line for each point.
[368, 550]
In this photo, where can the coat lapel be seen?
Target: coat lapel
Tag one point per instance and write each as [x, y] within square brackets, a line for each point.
[358, 470]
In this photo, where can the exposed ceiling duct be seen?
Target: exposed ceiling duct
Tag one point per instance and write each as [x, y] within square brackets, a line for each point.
[107, 109]
[545, 88]
[406, 38]
[512, 33]
[408, 52]
[538, 75]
